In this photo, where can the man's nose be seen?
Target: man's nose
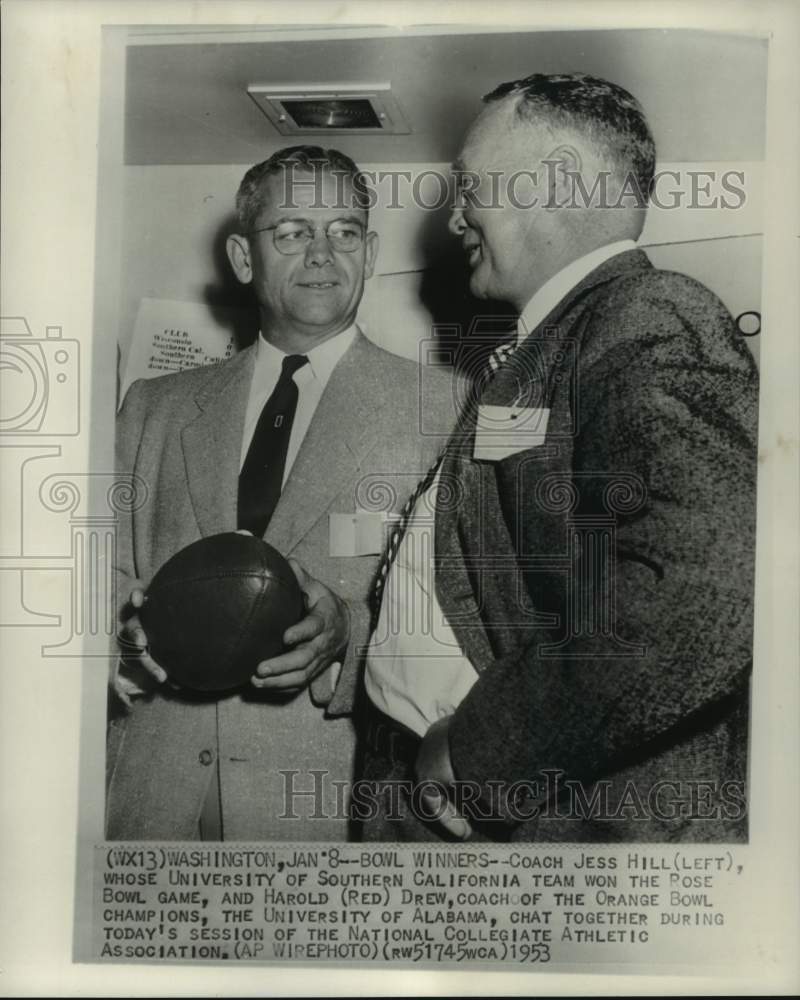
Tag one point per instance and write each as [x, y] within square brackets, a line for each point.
[319, 250]
[457, 223]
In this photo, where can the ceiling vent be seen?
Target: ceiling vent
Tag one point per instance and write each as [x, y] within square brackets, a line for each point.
[348, 108]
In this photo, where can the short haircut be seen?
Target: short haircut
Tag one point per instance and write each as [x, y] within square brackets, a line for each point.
[606, 114]
[250, 197]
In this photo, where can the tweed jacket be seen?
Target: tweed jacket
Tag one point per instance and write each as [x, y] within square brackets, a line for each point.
[180, 435]
[601, 577]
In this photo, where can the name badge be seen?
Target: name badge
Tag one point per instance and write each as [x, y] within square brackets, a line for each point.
[505, 430]
[358, 534]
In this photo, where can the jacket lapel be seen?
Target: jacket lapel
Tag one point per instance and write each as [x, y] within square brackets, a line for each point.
[212, 443]
[619, 266]
[524, 379]
[340, 436]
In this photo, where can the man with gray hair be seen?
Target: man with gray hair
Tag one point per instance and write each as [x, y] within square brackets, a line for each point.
[586, 674]
[279, 441]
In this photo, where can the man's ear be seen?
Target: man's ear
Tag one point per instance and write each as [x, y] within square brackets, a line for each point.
[370, 253]
[238, 250]
[563, 164]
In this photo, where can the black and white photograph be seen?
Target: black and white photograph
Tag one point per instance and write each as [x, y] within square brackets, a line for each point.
[540, 600]
[410, 524]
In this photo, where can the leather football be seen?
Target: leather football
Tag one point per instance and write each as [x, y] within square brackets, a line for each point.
[219, 607]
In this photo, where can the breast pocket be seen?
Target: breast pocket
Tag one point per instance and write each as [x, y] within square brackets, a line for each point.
[357, 534]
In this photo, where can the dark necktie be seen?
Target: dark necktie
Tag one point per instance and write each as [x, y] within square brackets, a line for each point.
[261, 477]
[498, 357]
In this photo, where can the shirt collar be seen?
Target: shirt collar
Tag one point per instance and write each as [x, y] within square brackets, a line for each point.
[322, 359]
[555, 288]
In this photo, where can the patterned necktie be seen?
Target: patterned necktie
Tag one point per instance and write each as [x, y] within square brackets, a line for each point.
[261, 478]
[498, 357]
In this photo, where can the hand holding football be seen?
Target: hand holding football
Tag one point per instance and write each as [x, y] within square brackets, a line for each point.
[218, 608]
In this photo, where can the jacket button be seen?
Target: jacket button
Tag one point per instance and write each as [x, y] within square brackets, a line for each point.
[206, 757]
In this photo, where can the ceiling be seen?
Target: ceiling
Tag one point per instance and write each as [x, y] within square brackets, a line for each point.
[187, 103]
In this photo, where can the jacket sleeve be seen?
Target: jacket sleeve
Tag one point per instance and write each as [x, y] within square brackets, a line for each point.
[343, 695]
[667, 397]
[131, 493]
[131, 488]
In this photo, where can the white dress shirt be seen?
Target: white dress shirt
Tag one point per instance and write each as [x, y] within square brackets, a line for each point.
[310, 380]
[415, 671]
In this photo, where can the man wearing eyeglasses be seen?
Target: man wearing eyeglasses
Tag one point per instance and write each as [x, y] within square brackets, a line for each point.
[332, 413]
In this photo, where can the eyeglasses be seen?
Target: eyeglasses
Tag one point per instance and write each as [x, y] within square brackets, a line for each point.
[295, 237]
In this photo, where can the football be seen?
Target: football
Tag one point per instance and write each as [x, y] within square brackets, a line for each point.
[219, 607]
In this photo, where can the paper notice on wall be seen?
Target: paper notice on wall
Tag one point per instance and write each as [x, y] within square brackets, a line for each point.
[170, 336]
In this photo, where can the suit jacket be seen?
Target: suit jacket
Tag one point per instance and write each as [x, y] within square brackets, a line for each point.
[181, 436]
[601, 581]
